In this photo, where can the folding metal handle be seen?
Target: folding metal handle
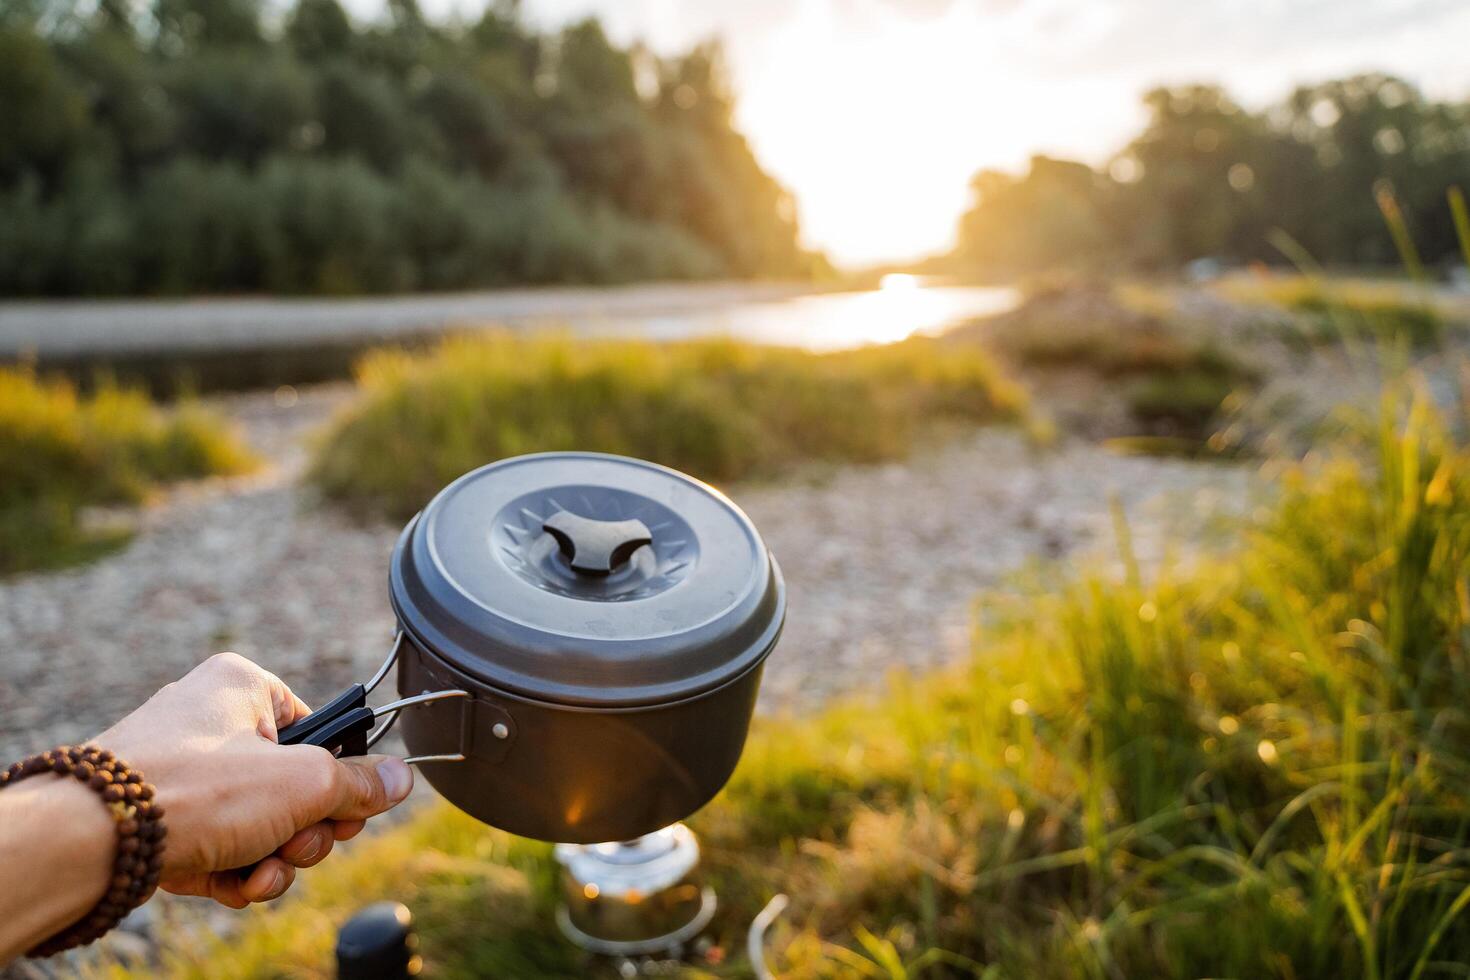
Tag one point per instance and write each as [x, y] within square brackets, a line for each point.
[344, 726]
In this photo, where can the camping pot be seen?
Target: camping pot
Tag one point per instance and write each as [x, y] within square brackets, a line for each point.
[580, 643]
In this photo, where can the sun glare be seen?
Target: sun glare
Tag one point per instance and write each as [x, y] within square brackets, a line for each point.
[878, 119]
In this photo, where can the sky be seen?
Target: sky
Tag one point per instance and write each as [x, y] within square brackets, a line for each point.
[876, 113]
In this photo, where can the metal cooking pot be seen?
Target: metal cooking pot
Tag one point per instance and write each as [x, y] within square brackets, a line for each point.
[581, 637]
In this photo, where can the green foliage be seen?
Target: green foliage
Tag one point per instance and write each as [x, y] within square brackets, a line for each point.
[1172, 377]
[718, 409]
[1087, 326]
[1338, 312]
[1188, 400]
[182, 146]
[1209, 178]
[1253, 767]
[61, 451]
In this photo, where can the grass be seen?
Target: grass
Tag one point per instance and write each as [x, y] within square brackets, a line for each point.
[1333, 311]
[1172, 378]
[1256, 766]
[61, 452]
[1089, 328]
[719, 409]
[1186, 401]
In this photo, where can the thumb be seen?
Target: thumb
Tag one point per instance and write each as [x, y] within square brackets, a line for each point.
[367, 785]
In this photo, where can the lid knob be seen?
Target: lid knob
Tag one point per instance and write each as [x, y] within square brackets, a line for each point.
[596, 547]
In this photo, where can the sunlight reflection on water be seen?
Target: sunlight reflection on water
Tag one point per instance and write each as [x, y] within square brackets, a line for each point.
[902, 306]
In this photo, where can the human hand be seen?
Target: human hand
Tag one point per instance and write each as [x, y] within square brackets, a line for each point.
[232, 796]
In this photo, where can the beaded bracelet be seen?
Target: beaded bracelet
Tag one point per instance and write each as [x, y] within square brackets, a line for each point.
[140, 834]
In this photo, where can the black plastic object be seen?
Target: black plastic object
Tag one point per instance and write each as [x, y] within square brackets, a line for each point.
[378, 943]
[341, 725]
[595, 547]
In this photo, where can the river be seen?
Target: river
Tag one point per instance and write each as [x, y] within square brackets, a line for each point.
[790, 314]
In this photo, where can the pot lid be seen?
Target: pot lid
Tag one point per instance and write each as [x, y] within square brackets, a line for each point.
[588, 579]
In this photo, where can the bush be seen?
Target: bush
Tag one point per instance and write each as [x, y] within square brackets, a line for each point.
[1086, 326]
[1255, 767]
[1172, 376]
[1334, 312]
[719, 409]
[61, 452]
[1187, 402]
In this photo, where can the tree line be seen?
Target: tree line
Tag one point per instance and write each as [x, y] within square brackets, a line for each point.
[1208, 179]
[171, 146]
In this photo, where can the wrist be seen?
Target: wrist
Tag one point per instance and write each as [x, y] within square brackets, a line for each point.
[127, 801]
[70, 841]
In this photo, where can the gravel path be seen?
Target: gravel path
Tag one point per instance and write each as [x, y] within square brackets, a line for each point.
[883, 563]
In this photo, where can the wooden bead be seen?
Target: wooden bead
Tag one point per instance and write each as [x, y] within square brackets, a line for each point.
[138, 863]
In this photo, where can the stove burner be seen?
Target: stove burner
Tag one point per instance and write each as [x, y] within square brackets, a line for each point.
[634, 898]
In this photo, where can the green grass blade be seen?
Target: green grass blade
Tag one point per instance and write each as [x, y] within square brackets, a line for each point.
[1439, 930]
[1461, 216]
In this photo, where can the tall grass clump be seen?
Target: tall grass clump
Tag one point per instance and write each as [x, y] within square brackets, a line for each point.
[61, 451]
[1171, 375]
[1332, 312]
[1256, 766]
[719, 409]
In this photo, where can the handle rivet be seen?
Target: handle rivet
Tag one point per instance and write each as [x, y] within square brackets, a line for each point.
[499, 730]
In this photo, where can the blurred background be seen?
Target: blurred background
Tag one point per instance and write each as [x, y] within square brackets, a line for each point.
[1097, 372]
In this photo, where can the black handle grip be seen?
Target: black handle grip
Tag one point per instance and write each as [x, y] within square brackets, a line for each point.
[340, 726]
